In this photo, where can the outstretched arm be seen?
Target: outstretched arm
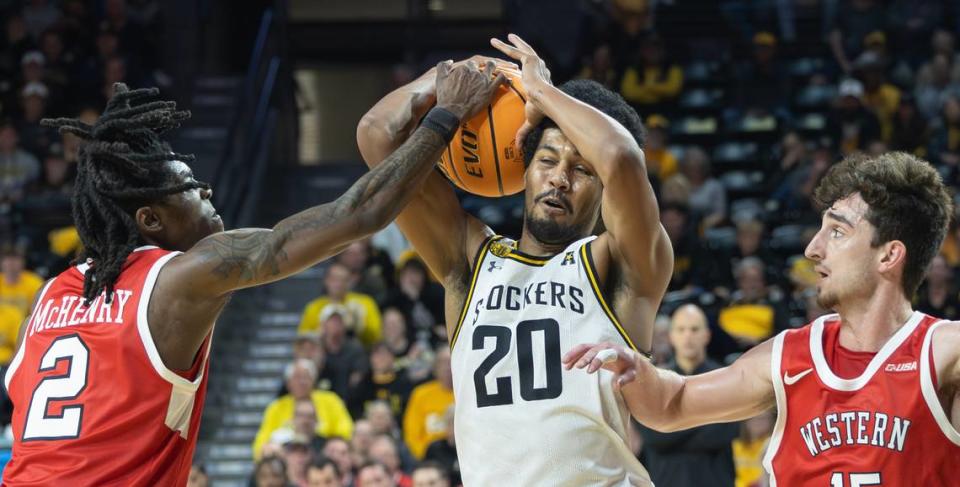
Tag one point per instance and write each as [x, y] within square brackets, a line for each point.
[666, 401]
[194, 286]
[945, 345]
[440, 230]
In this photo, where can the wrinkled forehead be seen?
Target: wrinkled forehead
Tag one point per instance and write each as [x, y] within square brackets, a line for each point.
[850, 210]
[554, 140]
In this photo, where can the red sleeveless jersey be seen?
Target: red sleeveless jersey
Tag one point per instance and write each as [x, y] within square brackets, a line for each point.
[885, 427]
[93, 402]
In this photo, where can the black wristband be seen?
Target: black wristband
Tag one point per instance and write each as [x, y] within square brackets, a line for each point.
[441, 121]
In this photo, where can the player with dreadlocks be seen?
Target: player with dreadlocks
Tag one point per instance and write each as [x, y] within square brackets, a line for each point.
[110, 374]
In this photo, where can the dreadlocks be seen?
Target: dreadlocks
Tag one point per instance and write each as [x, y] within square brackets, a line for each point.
[121, 168]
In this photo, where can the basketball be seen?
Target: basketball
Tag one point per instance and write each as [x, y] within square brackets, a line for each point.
[482, 158]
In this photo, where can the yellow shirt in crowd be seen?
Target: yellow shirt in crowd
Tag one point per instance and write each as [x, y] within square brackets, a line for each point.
[10, 320]
[884, 103]
[652, 85]
[365, 317]
[747, 459]
[424, 421]
[332, 418]
[20, 294]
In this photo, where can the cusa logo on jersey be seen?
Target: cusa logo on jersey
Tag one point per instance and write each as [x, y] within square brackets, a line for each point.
[904, 367]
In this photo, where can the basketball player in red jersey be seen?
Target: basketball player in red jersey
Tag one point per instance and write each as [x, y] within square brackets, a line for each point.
[865, 397]
[109, 379]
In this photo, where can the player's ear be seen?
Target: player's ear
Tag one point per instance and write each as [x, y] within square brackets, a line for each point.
[148, 220]
[893, 253]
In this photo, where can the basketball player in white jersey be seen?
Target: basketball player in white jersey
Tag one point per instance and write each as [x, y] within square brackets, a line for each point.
[869, 396]
[512, 307]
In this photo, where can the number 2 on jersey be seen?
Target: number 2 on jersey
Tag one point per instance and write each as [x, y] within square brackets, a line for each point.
[41, 426]
[525, 362]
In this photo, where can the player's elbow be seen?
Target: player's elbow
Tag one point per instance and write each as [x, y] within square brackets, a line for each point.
[624, 158]
[371, 133]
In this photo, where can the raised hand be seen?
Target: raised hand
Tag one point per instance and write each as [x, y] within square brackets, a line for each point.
[623, 362]
[534, 73]
[463, 89]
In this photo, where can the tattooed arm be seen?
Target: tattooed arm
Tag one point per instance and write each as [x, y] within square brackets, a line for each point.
[192, 289]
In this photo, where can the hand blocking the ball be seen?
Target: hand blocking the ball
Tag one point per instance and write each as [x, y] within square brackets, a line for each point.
[534, 75]
[463, 89]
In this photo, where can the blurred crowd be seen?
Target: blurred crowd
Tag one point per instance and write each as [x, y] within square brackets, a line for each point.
[746, 103]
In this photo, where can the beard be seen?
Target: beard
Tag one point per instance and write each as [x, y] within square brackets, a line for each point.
[827, 300]
[551, 232]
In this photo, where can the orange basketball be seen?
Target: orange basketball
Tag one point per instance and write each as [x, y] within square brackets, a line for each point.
[482, 158]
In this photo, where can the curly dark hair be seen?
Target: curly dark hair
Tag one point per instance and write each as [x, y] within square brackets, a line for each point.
[122, 166]
[907, 202]
[599, 97]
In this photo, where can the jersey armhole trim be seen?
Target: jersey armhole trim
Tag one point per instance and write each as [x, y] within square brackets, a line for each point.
[146, 338]
[15, 363]
[477, 264]
[776, 359]
[929, 392]
[587, 258]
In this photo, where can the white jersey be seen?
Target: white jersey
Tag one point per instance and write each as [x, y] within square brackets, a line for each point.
[521, 419]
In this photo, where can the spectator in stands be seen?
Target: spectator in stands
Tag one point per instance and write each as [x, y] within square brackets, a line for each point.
[38, 15]
[910, 132]
[945, 142]
[360, 442]
[323, 472]
[270, 472]
[421, 302]
[16, 42]
[761, 84]
[851, 24]
[653, 81]
[708, 197]
[374, 474]
[332, 416]
[338, 450]
[423, 420]
[687, 249]
[430, 474]
[851, 126]
[749, 448]
[296, 454]
[10, 320]
[383, 450]
[599, 67]
[362, 316]
[938, 295]
[383, 422]
[395, 332]
[305, 424]
[911, 22]
[198, 476]
[18, 286]
[879, 96]
[371, 268]
[755, 311]
[660, 160]
[18, 168]
[444, 450]
[383, 382]
[346, 362]
[307, 346]
[698, 456]
[33, 102]
[662, 353]
[943, 44]
[937, 86]
[749, 243]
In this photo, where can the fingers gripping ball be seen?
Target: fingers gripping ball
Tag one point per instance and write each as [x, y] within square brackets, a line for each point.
[482, 158]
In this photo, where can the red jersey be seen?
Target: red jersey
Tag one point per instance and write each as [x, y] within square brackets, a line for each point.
[93, 402]
[885, 427]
